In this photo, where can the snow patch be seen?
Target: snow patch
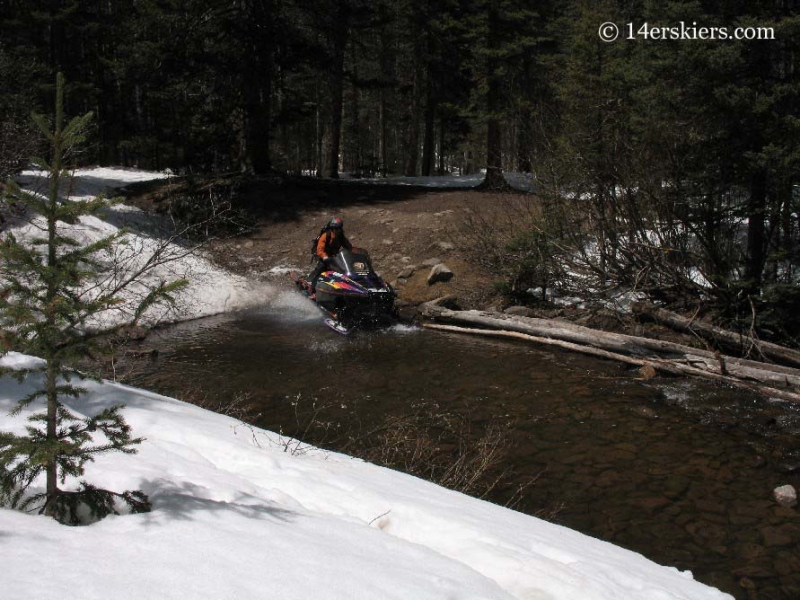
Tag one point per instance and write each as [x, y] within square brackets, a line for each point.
[262, 519]
[521, 181]
[210, 290]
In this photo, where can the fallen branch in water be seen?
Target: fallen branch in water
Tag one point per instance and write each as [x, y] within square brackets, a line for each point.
[666, 357]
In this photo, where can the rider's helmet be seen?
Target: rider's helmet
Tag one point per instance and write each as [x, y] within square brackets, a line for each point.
[335, 223]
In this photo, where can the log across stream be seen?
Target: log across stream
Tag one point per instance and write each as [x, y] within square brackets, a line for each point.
[771, 380]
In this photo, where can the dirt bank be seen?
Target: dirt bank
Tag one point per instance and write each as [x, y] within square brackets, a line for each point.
[406, 230]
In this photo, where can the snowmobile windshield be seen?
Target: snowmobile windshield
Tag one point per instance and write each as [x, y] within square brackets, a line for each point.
[355, 262]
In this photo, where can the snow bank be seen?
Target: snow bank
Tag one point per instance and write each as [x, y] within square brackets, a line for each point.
[235, 515]
[210, 291]
[521, 181]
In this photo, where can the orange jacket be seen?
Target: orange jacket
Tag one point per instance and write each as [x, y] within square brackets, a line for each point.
[330, 242]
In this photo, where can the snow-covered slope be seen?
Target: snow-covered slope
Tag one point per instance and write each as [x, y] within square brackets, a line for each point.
[237, 516]
[211, 290]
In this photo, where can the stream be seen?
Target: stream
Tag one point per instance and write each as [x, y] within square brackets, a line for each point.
[682, 471]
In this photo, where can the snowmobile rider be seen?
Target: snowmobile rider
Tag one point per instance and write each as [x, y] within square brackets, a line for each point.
[331, 240]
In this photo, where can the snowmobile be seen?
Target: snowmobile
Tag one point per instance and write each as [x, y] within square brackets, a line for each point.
[350, 293]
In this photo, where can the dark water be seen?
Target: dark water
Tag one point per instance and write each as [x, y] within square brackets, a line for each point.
[681, 471]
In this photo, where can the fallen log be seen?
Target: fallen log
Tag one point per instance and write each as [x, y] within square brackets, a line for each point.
[774, 380]
[723, 337]
[665, 366]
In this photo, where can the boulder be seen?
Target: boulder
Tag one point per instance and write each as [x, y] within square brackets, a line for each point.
[786, 495]
[645, 411]
[439, 273]
[647, 372]
[431, 262]
[520, 311]
[446, 246]
[407, 272]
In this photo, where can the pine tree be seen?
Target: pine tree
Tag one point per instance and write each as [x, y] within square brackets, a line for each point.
[505, 33]
[48, 304]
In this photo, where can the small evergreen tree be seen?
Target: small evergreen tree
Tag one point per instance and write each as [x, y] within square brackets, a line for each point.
[49, 307]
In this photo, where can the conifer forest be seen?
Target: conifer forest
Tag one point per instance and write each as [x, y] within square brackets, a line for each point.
[674, 125]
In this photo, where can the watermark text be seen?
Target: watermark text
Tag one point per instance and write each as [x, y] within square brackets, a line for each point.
[610, 32]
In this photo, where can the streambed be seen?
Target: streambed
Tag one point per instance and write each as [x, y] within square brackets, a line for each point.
[681, 471]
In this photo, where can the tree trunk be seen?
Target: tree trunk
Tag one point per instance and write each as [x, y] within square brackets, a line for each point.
[257, 71]
[494, 143]
[494, 137]
[51, 469]
[335, 131]
[51, 466]
[351, 150]
[340, 31]
[388, 58]
[787, 245]
[440, 169]
[430, 114]
[524, 162]
[525, 118]
[756, 231]
[320, 133]
[384, 136]
[413, 142]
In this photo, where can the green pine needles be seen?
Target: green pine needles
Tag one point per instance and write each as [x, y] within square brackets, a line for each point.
[50, 304]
